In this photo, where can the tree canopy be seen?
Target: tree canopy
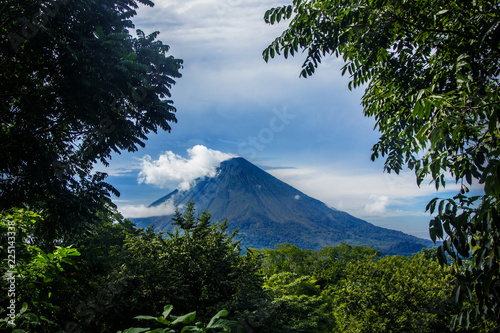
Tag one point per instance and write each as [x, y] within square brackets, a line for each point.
[431, 75]
[115, 272]
[75, 87]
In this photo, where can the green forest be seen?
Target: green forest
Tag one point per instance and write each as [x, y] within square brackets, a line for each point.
[117, 278]
[77, 86]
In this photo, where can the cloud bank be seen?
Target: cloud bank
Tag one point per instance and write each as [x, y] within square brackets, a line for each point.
[132, 211]
[362, 193]
[174, 171]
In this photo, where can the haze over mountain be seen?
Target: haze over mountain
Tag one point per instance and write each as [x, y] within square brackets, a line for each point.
[268, 211]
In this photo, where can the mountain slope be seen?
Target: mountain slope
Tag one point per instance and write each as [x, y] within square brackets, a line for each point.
[268, 211]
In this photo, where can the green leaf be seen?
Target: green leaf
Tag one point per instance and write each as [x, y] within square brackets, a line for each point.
[441, 255]
[24, 308]
[468, 177]
[136, 330]
[165, 330]
[431, 205]
[435, 229]
[220, 314]
[456, 294]
[31, 317]
[441, 207]
[146, 317]
[185, 319]
[166, 310]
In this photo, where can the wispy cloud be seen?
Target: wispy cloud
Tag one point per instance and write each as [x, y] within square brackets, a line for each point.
[361, 193]
[174, 171]
[131, 211]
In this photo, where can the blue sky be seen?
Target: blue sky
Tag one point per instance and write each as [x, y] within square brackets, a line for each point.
[310, 133]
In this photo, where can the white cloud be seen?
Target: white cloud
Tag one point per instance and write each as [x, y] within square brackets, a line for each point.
[221, 42]
[174, 171]
[117, 170]
[362, 193]
[131, 211]
[378, 205]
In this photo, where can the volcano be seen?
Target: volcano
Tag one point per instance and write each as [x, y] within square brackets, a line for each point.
[268, 211]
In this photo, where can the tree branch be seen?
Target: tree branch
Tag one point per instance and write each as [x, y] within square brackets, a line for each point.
[419, 27]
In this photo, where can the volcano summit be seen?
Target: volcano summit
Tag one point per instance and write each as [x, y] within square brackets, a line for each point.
[268, 211]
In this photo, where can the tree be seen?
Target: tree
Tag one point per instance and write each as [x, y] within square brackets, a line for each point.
[288, 258]
[300, 282]
[395, 294]
[199, 267]
[431, 71]
[326, 265]
[298, 305]
[74, 88]
[333, 261]
[34, 281]
[84, 307]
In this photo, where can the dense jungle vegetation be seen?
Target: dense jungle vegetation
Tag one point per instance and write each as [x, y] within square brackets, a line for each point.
[115, 272]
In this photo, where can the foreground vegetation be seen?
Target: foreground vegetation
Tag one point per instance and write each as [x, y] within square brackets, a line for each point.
[100, 281]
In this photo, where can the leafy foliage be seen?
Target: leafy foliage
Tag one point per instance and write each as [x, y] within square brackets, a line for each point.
[180, 323]
[395, 294]
[353, 289]
[123, 271]
[299, 282]
[90, 299]
[298, 305]
[328, 265]
[32, 277]
[431, 71]
[75, 87]
[199, 267]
